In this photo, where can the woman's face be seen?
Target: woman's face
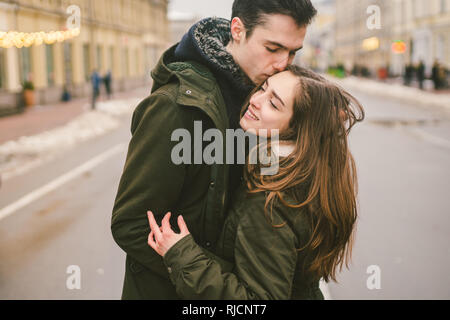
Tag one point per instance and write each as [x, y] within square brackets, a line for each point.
[272, 106]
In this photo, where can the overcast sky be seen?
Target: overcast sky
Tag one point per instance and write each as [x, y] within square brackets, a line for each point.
[202, 8]
[208, 8]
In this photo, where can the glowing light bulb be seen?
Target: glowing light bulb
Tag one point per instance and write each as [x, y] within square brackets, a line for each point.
[7, 43]
[59, 36]
[38, 40]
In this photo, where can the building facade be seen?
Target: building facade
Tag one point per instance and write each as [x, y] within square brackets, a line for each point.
[421, 28]
[125, 37]
[180, 23]
[318, 52]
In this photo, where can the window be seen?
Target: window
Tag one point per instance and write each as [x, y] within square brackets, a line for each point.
[111, 58]
[25, 64]
[50, 65]
[443, 6]
[2, 68]
[440, 48]
[126, 66]
[99, 58]
[87, 62]
[137, 63]
[68, 62]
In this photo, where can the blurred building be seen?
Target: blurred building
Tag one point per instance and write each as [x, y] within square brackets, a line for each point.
[318, 52]
[409, 31]
[180, 23]
[125, 37]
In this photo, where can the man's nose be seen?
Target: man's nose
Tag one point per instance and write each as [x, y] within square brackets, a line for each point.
[282, 64]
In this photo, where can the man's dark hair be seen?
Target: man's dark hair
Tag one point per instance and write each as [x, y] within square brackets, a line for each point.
[252, 12]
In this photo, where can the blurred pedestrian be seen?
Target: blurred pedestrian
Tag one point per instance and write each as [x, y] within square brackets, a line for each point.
[435, 75]
[444, 73]
[421, 74]
[382, 73]
[95, 79]
[65, 95]
[107, 81]
[409, 73]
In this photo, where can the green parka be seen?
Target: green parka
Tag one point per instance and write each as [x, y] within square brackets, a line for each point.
[262, 248]
[182, 93]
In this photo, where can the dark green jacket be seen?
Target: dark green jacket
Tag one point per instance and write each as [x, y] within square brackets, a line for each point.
[266, 262]
[182, 93]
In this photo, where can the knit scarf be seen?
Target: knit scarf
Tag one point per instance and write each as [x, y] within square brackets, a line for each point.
[206, 43]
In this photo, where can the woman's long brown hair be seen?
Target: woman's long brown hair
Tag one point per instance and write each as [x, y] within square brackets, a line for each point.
[320, 175]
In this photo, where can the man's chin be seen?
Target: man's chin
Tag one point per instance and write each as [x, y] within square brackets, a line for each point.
[261, 79]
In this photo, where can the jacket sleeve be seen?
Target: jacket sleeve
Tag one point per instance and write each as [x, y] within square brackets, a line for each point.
[264, 266]
[150, 180]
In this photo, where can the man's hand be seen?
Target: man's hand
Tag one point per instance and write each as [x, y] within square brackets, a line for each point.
[161, 239]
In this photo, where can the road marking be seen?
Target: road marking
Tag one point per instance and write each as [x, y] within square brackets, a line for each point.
[58, 182]
[438, 141]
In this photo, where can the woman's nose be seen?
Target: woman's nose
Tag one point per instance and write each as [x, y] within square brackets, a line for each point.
[255, 100]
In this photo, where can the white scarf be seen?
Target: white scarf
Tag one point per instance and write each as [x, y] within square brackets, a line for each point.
[283, 148]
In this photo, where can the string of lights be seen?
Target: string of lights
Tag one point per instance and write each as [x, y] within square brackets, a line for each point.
[22, 39]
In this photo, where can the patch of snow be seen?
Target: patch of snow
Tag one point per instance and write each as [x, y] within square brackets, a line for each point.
[25, 153]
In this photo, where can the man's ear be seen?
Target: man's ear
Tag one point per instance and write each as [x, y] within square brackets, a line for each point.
[237, 29]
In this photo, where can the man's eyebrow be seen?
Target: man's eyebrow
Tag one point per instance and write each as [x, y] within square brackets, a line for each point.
[281, 46]
[275, 94]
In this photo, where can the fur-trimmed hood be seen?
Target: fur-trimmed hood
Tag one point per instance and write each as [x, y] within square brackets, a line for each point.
[207, 40]
[206, 43]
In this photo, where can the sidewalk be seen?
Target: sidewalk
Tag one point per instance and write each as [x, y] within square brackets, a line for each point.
[43, 133]
[38, 119]
[394, 90]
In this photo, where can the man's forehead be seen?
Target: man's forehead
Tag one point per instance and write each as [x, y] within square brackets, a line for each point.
[290, 47]
[281, 31]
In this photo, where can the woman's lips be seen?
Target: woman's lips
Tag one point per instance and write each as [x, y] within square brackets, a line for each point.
[250, 115]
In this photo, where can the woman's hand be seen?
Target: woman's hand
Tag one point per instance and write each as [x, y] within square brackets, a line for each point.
[162, 239]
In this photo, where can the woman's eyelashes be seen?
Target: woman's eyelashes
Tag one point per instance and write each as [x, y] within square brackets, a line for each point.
[264, 90]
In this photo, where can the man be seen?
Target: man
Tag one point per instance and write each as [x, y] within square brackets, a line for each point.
[206, 77]
[95, 79]
[107, 81]
[421, 74]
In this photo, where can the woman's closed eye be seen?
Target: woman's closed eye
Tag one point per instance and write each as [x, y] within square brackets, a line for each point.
[264, 90]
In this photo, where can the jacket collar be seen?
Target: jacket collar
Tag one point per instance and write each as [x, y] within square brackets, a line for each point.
[206, 43]
[198, 87]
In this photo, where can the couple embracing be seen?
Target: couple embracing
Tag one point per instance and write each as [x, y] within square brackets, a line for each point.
[227, 231]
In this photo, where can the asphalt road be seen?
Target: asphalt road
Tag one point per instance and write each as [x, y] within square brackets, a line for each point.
[402, 153]
[402, 248]
[69, 226]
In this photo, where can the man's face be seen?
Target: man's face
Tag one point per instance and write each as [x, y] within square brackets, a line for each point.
[271, 47]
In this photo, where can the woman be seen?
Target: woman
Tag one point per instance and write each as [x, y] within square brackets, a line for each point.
[286, 231]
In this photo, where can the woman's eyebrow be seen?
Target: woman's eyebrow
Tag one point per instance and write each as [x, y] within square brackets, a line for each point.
[275, 94]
